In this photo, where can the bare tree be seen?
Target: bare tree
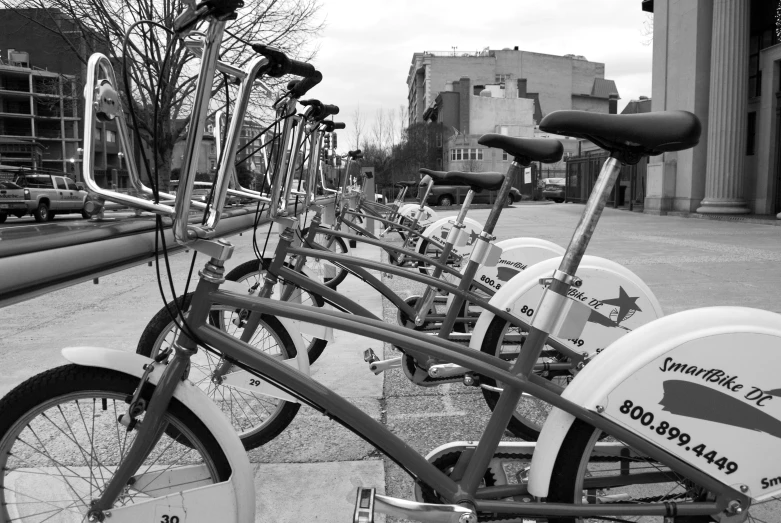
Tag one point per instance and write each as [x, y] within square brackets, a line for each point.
[162, 73]
[358, 124]
[379, 130]
[648, 29]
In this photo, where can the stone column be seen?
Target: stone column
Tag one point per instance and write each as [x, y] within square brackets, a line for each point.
[728, 112]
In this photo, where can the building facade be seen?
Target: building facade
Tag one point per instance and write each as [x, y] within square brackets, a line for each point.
[41, 82]
[721, 60]
[556, 82]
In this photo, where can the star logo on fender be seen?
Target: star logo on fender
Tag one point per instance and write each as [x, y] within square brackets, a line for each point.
[627, 305]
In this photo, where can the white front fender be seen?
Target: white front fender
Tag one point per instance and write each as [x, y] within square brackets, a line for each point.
[238, 492]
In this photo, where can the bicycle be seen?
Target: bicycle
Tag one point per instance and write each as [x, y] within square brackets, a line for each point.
[570, 491]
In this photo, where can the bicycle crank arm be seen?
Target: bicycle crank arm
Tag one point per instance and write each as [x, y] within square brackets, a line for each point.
[380, 366]
[446, 370]
[367, 503]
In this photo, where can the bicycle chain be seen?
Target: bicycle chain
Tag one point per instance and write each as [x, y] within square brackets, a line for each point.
[505, 518]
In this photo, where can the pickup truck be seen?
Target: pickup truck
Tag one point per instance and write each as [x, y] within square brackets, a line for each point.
[42, 195]
[446, 194]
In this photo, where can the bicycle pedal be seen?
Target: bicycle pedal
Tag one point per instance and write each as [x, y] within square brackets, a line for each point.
[364, 506]
[369, 356]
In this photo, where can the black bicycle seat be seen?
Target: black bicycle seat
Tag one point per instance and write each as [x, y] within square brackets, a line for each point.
[406, 184]
[476, 181]
[435, 175]
[525, 150]
[628, 137]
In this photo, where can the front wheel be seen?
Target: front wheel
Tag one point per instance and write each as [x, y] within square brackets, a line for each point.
[42, 213]
[445, 201]
[256, 418]
[331, 275]
[251, 273]
[60, 443]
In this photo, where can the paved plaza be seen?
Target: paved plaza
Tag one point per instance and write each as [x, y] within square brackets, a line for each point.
[309, 473]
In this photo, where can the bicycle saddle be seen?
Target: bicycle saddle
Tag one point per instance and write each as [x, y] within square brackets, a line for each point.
[435, 175]
[476, 181]
[406, 184]
[628, 137]
[525, 150]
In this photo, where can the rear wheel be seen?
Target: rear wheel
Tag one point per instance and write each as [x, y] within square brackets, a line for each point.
[504, 340]
[60, 443]
[582, 479]
[3, 217]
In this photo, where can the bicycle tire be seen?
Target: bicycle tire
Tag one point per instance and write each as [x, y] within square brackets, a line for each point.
[41, 405]
[574, 462]
[530, 412]
[315, 346]
[161, 331]
[338, 246]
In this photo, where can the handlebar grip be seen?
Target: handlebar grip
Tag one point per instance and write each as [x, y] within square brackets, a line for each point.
[329, 110]
[303, 69]
[354, 153]
[339, 125]
[306, 84]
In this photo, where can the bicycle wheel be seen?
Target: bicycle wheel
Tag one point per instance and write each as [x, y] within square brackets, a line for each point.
[504, 340]
[431, 250]
[257, 419]
[60, 443]
[322, 268]
[251, 274]
[580, 479]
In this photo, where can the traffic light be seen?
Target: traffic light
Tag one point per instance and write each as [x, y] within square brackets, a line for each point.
[333, 140]
[326, 141]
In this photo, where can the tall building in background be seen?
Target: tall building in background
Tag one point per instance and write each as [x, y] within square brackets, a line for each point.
[554, 82]
[41, 108]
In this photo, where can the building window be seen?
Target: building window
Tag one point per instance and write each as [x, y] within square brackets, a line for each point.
[466, 154]
[505, 156]
[501, 78]
[214, 165]
[111, 136]
[751, 136]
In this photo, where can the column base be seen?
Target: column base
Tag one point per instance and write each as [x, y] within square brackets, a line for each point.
[723, 207]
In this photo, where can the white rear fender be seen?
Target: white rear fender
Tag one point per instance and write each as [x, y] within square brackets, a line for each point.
[619, 301]
[701, 384]
[438, 232]
[410, 210]
[517, 255]
[236, 497]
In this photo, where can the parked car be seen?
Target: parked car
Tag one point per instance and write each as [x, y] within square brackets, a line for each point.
[554, 189]
[42, 195]
[446, 194]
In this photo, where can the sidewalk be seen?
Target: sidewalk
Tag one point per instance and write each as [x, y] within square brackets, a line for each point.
[310, 472]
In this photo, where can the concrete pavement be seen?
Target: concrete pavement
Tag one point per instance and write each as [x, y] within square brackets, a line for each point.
[310, 471]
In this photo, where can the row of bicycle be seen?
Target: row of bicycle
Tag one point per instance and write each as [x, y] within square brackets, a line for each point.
[567, 348]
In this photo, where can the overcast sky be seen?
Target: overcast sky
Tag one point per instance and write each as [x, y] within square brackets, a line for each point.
[366, 47]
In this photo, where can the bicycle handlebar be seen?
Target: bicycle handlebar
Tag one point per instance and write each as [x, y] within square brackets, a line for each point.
[280, 65]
